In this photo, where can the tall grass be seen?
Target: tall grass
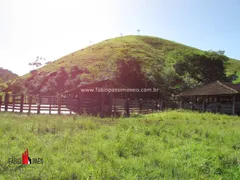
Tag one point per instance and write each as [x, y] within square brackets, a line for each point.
[167, 145]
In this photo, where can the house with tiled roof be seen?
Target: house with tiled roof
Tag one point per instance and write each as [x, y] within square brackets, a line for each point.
[220, 97]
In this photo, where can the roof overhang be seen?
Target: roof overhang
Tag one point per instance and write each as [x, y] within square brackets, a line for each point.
[215, 88]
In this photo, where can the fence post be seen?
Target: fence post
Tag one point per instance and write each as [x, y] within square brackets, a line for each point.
[79, 103]
[51, 102]
[38, 104]
[6, 101]
[13, 103]
[70, 106]
[29, 104]
[0, 103]
[59, 103]
[110, 103]
[21, 103]
[102, 105]
[140, 105]
[115, 109]
[127, 107]
[91, 106]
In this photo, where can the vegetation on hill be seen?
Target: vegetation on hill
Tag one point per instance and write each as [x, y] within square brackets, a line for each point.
[49, 83]
[151, 50]
[5, 76]
[147, 61]
[166, 145]
[233, 70]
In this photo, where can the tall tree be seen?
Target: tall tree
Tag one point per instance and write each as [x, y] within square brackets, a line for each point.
[204, 68]
[61, 78]
[129, 73]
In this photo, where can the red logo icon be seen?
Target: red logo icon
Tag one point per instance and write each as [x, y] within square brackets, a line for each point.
[25, 158]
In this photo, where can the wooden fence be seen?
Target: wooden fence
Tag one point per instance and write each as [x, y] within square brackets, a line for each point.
[67, 105]
[137, 106]
[37, 104]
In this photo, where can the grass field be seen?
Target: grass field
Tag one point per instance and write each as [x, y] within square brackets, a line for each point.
[166, 145]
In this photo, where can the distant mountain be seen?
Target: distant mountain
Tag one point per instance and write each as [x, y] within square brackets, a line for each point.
[6, 75]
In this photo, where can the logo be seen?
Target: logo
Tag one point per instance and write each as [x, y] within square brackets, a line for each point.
[25, 159]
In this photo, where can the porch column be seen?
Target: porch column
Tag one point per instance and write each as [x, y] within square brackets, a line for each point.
[192, 103]
[234, 104]
[181, 103]
[204, 104]
[217, 104]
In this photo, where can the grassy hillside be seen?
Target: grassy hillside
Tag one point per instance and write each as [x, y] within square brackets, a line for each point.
[101, 58]
[234, 66]
[167, 145]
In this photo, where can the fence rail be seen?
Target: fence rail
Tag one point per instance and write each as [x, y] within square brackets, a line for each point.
[37, 104]
[68, 105]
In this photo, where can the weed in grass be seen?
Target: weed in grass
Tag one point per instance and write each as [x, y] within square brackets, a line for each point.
[147, 133]
[236, 146]
[207, 135]
[186, 135]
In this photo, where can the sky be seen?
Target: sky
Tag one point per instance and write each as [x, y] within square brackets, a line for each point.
[54, 28]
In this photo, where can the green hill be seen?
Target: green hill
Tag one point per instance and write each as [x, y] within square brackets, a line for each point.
[158, 61]
[149, 50]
